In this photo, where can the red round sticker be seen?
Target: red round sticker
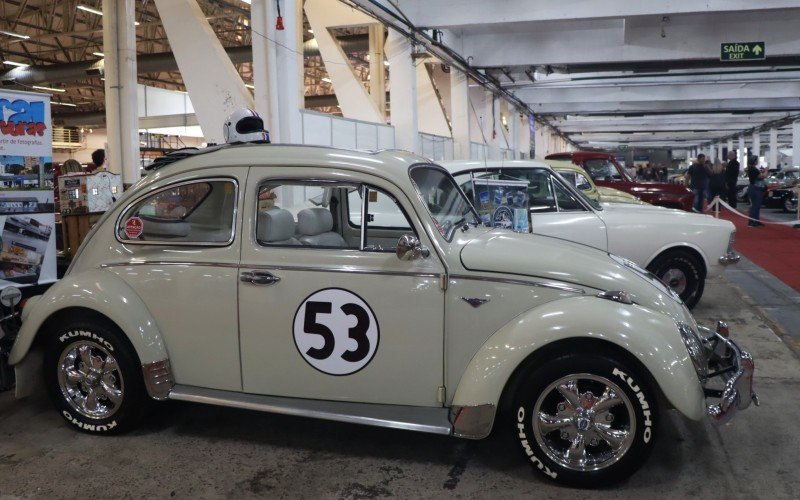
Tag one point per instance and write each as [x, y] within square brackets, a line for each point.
[133, 228]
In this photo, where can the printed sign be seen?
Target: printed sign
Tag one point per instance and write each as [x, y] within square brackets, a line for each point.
[496, 200]
[28, 248]
[25, 127]
[743, 51]
[336, 332]
[133, 228]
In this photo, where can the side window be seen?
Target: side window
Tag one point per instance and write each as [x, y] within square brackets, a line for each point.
[566, 201]
[386, 221]
[301, 214]
[582, 183]
[200, 212]
[601, 169]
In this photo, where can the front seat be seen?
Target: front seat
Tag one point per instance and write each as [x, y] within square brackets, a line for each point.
[315, 227]
[276, 227]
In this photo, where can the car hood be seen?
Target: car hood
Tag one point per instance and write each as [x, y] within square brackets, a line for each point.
[658, 187]
[662, 215]
[552, 259]
[611, 195]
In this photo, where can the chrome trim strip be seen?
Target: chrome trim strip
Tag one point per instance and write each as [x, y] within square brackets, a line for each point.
[153, 192]
[167, 263]
[340, 269]
[433, 420]
[541, 284]
[472, 422]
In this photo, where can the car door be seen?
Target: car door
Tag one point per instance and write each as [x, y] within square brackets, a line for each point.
[326, 315]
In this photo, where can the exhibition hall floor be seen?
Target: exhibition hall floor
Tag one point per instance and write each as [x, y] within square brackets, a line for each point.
[194, 451]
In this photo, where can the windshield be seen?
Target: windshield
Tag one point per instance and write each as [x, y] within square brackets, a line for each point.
[447, 204]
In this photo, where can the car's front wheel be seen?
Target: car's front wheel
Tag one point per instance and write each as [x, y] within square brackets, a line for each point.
[789, 204]
[683, 273]
[94, 377]
[584, 419]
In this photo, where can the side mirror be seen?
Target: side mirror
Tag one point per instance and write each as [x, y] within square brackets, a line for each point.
[409, 248]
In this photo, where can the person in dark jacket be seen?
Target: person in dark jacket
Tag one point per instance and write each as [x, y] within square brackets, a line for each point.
[755, 191]
[697, 180]
[731, 176]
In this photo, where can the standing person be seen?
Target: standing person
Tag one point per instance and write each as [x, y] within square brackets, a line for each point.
[716, 182]
[99, 159]
[755, 190]
[697, 180]
[731, 176]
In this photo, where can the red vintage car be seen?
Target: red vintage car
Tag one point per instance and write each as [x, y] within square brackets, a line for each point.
[605, 171]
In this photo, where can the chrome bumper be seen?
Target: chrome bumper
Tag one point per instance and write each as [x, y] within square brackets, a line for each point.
[735, 367]
[729, 258]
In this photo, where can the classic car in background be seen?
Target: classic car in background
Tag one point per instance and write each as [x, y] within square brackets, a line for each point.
[412, 316]
[605, 171]
[576, 176]
[681, 248]
[782, 197]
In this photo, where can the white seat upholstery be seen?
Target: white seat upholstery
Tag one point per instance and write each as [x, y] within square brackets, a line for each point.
[276, 227]
[315, 225]
[159, 229]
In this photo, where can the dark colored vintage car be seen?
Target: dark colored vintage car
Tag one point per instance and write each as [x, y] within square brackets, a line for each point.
[781, 197]
[605, 171]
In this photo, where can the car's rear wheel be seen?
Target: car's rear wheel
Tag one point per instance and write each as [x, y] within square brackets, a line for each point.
[789, 205]
[683, 273]
[585, 419]
[94, 377]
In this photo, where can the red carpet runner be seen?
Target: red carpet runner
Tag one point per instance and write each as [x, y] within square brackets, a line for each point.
[775, 248]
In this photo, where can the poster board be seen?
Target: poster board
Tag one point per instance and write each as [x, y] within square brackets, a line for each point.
[502, 203]
[27, 218]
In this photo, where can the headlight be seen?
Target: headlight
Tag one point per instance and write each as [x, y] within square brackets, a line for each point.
[697, 350]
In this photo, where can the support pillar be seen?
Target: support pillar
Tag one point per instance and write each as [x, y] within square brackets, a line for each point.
[290, 75]
[214, 85]
[377, 74]
[122, 113]
[264, 66]
[712, 152]
[742, 153]
[459, 114]
[403, 92]
[773, 148]
[756, 148]
[730, 148]
[796, 143]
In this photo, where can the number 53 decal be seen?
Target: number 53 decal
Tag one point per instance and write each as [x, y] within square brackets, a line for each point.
[336, 331]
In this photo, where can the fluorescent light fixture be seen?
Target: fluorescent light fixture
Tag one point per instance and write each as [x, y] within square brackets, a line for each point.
[136, 23]
[48, 88]
[385, 63]
[64, 104]
[248, 2]
[326, 80]
[11, 33]
[91, 10]
[310, 31]
[249, 86]
[12, 63]
[98, 54]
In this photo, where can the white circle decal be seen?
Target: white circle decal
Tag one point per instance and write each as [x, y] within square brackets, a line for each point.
[336, 332]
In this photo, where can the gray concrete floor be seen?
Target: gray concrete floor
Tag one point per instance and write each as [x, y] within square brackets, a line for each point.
[188, 450]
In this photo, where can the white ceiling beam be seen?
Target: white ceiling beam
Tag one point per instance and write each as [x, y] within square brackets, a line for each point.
[460, 13]
[645, 107]
[654, 125]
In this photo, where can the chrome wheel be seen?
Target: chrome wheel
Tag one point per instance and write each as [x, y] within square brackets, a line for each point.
[584, 422]
[675, 279]
[90, 379]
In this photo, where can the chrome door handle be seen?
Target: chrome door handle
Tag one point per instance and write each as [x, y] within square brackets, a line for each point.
[259, 278]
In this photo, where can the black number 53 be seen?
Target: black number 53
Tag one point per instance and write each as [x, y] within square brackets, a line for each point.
[357, 332]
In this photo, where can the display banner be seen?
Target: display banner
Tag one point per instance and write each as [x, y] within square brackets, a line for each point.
[496, 201]
[27, 218]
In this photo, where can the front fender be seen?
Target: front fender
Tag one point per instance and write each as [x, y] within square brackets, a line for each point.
[98, 291]
[651, 337]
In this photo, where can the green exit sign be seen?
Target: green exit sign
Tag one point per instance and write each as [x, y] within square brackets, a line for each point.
[743, 51]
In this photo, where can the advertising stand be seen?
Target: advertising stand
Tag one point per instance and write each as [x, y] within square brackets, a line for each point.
[27, 215]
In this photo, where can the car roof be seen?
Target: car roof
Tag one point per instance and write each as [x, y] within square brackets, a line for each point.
[390, 164]
[458, 166]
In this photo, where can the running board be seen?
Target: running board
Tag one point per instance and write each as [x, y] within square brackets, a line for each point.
[412, 418]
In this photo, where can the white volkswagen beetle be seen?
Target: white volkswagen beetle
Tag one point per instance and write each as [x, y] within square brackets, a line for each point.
[359, 288]
[681, 248]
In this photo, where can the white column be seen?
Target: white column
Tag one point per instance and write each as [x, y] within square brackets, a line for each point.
[524, 136]
[773, 148]
[756, 149]
[712, 152]
[460, 121]
[377, 73]
[264, 65]
[720, 156]
[513, 132]
[796, 143]
[122, 113]
[730, 147]
[403, 92]
[742, 157]
[290, 81]
[492, 125]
